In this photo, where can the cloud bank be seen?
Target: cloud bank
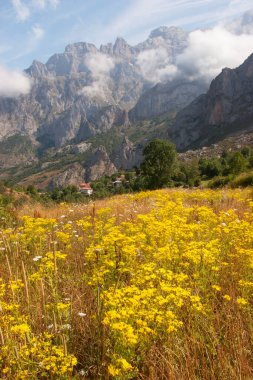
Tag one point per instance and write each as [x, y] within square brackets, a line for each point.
[13, 83]
[156, 66]
[100, 66]
[241, 25]
[207, 53]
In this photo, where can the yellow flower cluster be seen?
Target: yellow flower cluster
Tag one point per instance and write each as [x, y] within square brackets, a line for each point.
[148, 274]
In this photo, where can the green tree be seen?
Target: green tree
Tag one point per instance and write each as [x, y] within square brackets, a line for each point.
[237, 163]
[211, 167]
[246, 151]
[191, 173]
[31, 190]
[160, 158]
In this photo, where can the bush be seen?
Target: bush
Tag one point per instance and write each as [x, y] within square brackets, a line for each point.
[189, 173]
[218, 182]
[243, 181]
[210, 167]
[237, 163]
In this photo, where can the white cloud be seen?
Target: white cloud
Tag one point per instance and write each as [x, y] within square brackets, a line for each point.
[207, 53]
[234, 9]
[13, 83]
[100, 66]
[211, 50]
[44, 3]
[241, 25]
[22, 11]
[37, 32]
[155, 65]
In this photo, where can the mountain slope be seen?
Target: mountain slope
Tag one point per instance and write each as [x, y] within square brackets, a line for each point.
[226, 108]
[82, 93]
[91, 111]
[85, 90]
[166, 97]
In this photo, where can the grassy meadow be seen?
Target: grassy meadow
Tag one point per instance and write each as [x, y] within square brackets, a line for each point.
[154, 285]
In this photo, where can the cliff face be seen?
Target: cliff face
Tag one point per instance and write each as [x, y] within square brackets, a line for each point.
[166, 97]
[99, 164]
[73, 175]
[84, 92]
[227, 107]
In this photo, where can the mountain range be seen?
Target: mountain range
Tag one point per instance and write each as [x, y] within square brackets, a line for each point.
[91, 111]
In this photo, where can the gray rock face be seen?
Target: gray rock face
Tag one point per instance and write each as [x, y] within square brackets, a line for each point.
[72, 92]
[99, 120]
[86, 91]
[74, 175]
[169, 97]
[226, 108]
[122, 49]
[173, 39]
[99, 165]
[127, 155]
[72, 61]
[10, 160]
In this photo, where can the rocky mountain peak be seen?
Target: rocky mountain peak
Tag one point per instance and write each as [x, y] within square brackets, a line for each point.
[247, 67]
[84, 91]
[107, 48]
[168, 33]
[80, 48]
[72, 60]
[121, 48]
[223, 110]
[172, 39]
[37, 69]
[243, 24]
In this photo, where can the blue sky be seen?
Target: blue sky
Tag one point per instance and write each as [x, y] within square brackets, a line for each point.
[35, 29]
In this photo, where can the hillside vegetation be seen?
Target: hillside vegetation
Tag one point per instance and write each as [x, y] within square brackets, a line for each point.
[154, 285]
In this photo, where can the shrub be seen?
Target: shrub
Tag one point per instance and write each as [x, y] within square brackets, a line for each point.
[243, 180]
[218, 182]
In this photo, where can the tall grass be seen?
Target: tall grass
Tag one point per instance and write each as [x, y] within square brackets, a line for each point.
[156, 285]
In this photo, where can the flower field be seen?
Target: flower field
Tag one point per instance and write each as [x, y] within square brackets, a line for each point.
[155, 285]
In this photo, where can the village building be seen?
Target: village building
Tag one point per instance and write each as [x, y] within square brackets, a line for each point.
[117, 182]
[85, 188]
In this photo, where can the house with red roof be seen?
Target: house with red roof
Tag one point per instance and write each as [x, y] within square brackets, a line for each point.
[85, 188]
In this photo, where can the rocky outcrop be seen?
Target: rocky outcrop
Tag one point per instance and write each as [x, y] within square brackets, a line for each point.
[83, 90]
[99, 164]
[173, 39]
[127, 155]
[100, 121]
[225, 109]
[16, 150]
[73, 175]
[122, 49]
[166, 97]
[10, 160]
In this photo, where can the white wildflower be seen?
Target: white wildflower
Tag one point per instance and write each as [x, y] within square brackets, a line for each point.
[82, 314]
[37, 258]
